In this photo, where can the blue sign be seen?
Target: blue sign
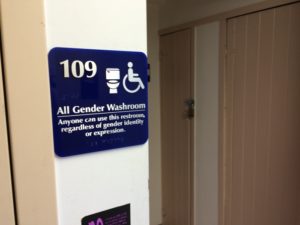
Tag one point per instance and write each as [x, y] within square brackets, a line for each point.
[99, 100]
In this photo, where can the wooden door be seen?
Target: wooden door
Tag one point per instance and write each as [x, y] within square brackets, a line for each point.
[176, 90]
[262, 118]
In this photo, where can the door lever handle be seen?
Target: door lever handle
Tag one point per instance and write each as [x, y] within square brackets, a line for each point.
[190, 104]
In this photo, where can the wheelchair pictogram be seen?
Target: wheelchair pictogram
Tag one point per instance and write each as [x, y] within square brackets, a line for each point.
[132, 78]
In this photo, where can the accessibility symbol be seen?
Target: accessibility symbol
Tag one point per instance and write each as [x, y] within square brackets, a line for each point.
[132, 78]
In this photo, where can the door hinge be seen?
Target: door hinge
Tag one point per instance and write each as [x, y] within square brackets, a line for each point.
[149, 72]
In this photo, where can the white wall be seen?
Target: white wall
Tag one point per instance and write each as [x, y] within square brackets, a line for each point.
[154, 116]
[95, 182]
[206, 123]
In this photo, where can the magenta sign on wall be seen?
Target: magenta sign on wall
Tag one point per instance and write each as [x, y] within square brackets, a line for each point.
[116, 216]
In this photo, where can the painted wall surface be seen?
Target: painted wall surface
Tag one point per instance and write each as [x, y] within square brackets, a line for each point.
[206, 123]
[172, 14]
[154, 116]
[91, 183]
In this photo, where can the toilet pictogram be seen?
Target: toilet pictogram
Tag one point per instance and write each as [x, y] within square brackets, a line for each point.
[113, 77]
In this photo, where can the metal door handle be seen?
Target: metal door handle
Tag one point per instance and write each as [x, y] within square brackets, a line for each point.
[190, 104]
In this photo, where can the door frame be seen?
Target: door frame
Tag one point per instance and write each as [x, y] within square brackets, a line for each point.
[222, 19]
[7, 211]
[25, 65]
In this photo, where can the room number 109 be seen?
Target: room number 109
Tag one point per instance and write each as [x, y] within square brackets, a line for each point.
[79, 69]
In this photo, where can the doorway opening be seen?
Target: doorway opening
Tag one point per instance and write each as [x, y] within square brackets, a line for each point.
[224, 99]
